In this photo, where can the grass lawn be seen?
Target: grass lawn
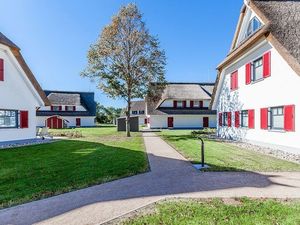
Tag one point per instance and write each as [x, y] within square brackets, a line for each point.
[246, 212]
[223, 156]
[101, 155]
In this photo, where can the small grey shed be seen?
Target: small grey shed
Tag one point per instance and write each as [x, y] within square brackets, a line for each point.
[134, 124]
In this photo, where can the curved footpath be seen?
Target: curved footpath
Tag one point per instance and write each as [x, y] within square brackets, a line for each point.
[171, 175]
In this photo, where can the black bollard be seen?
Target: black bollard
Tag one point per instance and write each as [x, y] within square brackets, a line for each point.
[202, 152]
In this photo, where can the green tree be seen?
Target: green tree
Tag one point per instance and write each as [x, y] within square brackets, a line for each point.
[126, 59]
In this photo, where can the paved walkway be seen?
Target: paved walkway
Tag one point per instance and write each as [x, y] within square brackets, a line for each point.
[171, 176]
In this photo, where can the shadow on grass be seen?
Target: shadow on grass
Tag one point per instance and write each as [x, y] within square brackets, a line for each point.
[168, 176]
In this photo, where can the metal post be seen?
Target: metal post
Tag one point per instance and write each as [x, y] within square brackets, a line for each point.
[202, 152]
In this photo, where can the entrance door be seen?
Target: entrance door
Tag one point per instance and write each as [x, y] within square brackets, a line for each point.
[205, 122]
[78, 122]
[170, 122]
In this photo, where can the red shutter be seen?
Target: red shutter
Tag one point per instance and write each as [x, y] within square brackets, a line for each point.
[248, 73]
[201, 104]
[74, 108]
[66, 108]
[267, 64]
[229, 119]
[60, 108]
[220, 119]
[175, 104]
[184, 104]
[264, 118]
[289, 117]
[237, 119]
[23, 119]
[1, 70]
[234, 81]
[251, 119]
[51, 108]
[192, 104]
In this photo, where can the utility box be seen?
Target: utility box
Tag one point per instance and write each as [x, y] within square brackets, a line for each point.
[134, 124]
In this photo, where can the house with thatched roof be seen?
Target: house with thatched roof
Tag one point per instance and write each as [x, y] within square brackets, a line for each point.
[138, 109]
[68, 109]
[181, 105]
[20, 94]
[257, 88]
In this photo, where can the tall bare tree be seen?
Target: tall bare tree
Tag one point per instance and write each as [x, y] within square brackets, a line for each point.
[126, 59]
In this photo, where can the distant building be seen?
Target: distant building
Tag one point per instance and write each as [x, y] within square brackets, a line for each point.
[68, 109]
[20, 94]
[257, 89]
[181, 105]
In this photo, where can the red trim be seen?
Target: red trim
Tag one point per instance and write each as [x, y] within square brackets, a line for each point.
[191, 104]
[23, 119]
[220, 119]
[201, 104]
[74, 108]
[229, 119]
[66, 108]
[267, 64]
[251, 114]
[237, 119]
[1, 70]
[174, 104]
[248, 73]
[184, 104]
[264, 118]
[52, 108]
[60, 108]
[289, 117]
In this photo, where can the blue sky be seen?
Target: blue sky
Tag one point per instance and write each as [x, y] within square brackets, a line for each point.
[55, 35]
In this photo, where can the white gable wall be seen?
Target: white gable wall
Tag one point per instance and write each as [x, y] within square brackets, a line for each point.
[17, 94]
[282, 88]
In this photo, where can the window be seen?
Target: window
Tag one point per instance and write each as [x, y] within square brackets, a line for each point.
[244, 118]
[276, 118]
[179, 104]
[257, 67]
[141, 112]
[55, 108]
[69, 108]
[134, 112]
[196, 104]
[8, 119]
[225, 119]
[253, 26]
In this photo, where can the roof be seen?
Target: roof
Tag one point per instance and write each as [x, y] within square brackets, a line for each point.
[138, 105]
[73, 98]
[179, 91]
[16, 52]
[281, 28]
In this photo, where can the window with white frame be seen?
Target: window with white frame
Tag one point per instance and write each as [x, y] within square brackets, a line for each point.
[69, 108]
[225, 119]
[179, 104]
[253, 26]
[196, 104]
[8, 118]
[276, 118]
[55, 108]
[141, 112]
[244, 118]
[257, 67]
[135, 112]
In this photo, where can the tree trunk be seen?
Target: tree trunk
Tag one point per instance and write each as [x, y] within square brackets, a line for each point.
[128, 119]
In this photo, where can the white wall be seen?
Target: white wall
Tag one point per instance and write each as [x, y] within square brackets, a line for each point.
[181, 121]
[17, 93]
[282, 88]
[86, 121]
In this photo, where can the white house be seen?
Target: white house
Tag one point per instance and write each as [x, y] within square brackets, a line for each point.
[257, 93]
[20, 94]
[181, 105]
[68, 109]
[138, 109]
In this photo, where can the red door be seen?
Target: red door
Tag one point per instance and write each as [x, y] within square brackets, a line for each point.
[170, 121]
[78, 122]
[205, 121]
[54, 123]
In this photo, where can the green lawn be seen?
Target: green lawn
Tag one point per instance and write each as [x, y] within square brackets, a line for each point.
[35, 172]
[223, 156]
[243, 211]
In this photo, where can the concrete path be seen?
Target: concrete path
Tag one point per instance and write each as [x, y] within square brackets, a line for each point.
[171, 176]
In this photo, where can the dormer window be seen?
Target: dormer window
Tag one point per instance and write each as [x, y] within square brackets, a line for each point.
[253, 26]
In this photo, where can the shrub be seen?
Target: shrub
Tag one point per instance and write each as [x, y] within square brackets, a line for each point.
[203, 132]
[69, 134]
